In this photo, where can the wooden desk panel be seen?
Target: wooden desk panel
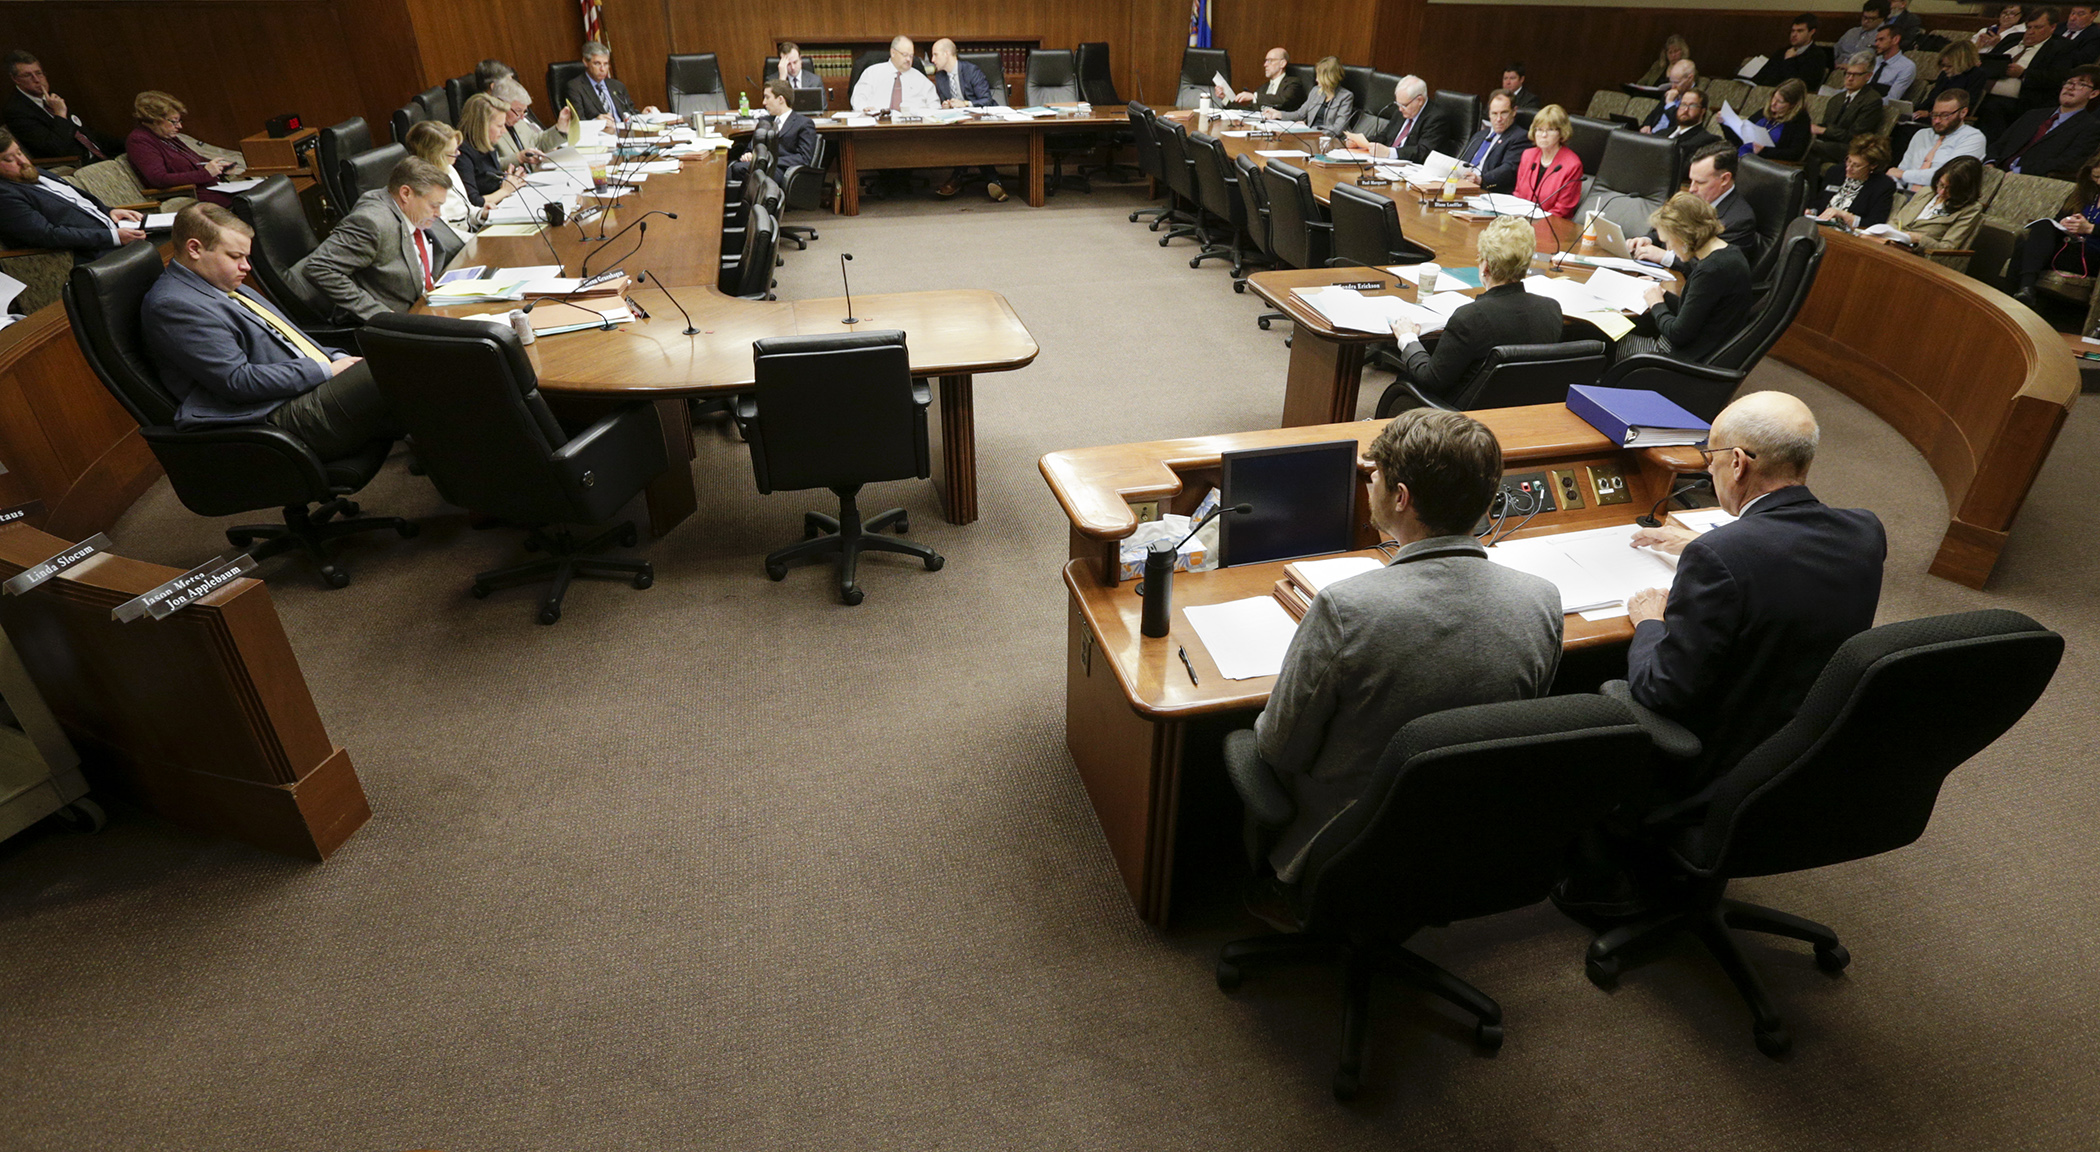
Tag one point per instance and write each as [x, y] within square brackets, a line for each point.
[967, 142]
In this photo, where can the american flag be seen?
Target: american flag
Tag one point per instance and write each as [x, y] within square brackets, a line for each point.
[593, 26]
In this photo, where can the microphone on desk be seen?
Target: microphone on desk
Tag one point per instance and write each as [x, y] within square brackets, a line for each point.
[850, 317]
[1158, 585]
[690, 330]
[584, 268]
[1653, 519]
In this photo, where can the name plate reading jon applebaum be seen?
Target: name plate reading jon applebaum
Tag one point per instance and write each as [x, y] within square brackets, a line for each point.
[186, 589]
[71, 555]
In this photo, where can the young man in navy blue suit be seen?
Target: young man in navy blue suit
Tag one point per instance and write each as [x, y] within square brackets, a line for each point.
[794, 135]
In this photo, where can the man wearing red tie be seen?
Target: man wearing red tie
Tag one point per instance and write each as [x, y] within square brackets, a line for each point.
[387, 252]
[1416, 130]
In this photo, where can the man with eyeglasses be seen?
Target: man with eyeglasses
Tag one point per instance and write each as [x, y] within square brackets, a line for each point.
[1854, 112]
[2053, 141]
[1760, 604]
[40, 119]
[1951, 136]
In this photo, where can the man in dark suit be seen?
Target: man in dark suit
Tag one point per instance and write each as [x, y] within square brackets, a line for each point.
[386, 252]
[1803, 60]
[1688, 131]
[1416, 131]
[2079, 35]
[794, 135]
[39, 118]
[961, 84]
[39, 210]
[1683, 75]
[1712, 176]
[2027, 77]
[795, 70]
[1279, 90]
[231, 357]
[2053, 141]
[1502, 314]
[596, 93]
[1517, 83]
[1493, 152]
[1854, 112]
[1759, 605]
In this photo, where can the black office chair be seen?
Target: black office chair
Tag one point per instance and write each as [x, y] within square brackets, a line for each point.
[1198, 65]
[1144, 133]
[1218, 198]
[228, 469]
[694, 82]
[1588, 138]
[1383, 85]
[1701, 389]
[1469, 813]
[1636, 175]
[559, 74]
[458, 90]
[804, 185]
[1179, 173]
[1097, 86]
[1367, 229]
[994, 70]
[862, 63]
[1460, 111]
[749, 275]
[1054, 79]
[436, 106]
[1254, 192]
[1775, 193]
[1360, 81]
[1307, 76]
[336, 142]
[467, 393]
[837, 412]
[283, 238]
[404, 118]
[1800, 255]
[368, 170]
[1300, 234]
[1854, 774]
[1511, 376]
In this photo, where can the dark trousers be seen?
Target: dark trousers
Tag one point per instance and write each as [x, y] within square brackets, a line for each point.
[2045, 246]
[343, 414]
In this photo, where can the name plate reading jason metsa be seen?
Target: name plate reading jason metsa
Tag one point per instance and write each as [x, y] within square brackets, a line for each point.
[202, 580]
[73, 554]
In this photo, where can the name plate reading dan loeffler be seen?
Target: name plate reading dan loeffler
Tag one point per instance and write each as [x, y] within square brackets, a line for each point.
[185, 589]
[73, 554]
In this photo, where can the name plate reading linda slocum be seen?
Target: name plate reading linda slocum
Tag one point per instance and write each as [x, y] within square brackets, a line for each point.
[72, 554]
[208, 576]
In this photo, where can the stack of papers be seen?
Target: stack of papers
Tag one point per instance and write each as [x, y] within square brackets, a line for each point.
[158, 221]
[1702, 520]
[1502, 204]
[1744, 130]
[1620, 263]
[1347, 310]
[1283, 154]
[1245, 638]
[1595, 571]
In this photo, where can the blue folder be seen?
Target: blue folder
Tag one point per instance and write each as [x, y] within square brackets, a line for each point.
[1636, 417]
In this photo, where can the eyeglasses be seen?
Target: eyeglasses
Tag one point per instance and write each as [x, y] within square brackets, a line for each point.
[1708, 454]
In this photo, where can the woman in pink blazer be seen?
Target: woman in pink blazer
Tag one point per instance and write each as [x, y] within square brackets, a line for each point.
[162, 160]
[1550, 175]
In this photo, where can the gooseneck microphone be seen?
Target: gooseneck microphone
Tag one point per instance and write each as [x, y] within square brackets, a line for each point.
[690, 330]
[850, 317]
[1158, 585]
[584, 268]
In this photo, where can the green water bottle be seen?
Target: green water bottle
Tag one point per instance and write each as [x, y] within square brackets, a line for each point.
[743, 106]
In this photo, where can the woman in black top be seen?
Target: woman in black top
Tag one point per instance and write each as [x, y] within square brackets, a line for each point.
[1858, 193]
[486, 183]
[1786, 118]
[1717, 298]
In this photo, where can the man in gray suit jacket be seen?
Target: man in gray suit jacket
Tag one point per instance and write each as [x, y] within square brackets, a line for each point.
[1440, 626]
[231, 357]
[387, 251]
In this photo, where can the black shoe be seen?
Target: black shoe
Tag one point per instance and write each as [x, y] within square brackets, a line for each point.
[1611, 898]
[2028, 297]
[1268, 900]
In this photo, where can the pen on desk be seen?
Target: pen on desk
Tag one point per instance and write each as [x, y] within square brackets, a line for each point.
[1191, 667]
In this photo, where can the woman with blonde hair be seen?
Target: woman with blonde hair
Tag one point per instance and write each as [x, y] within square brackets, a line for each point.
[1786, 118]
[1330, 108]
[1674, 49]
[160, 156]
[487, 182]
[1550, 173]
[1502, 314]
[1717, 297]
[439, 143]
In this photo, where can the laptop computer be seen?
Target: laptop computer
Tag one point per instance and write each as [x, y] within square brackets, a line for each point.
[1610, 238]
[807, 100]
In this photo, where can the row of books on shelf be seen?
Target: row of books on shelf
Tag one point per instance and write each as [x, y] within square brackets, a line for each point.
[838, 62]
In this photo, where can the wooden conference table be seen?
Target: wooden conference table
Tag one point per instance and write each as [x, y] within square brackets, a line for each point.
[1129, 702]
[952, 335]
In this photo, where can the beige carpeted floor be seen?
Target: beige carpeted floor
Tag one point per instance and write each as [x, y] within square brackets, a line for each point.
[723, 864]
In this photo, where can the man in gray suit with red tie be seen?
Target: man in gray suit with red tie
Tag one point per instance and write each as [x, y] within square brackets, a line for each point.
[387, 252]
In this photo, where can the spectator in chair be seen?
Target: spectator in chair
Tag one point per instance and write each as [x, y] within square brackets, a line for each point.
[162, 160]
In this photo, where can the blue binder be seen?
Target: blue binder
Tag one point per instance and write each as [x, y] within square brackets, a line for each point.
[1636, 417]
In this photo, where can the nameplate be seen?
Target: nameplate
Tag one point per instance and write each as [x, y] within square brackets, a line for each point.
[143, 604]
[73, 554]
[1369, 181]
[21, 511]
[212, 582]
[1364, 285]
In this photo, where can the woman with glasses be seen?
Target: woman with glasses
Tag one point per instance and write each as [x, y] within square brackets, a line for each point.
[163, 159]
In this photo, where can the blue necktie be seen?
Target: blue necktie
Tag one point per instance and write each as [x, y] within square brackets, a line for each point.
[1486, 143]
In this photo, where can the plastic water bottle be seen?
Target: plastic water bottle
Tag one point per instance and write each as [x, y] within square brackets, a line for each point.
[743, 106]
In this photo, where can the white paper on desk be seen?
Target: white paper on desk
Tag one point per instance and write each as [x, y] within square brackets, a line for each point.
[1618, 291]
[1609, 554]
[1446, 304]
[1283, 154]
[527, 272]
[1620, 263]
[1744, 130]
[1321, 573]
[1572, 297]
[1412, 273]
[1237, 133]
[1580, 591]
[1346, 309]
[1245, 638]
[1702, 520]
[232, 186]
[657, 167]
[1438, 166]
[1503, 204]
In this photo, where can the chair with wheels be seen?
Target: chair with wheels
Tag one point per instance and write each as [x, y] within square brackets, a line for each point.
[337, 142]
[1218, 197]
[994, 71]
[227, 469]
[1300, 234]
[1180, 177]
[1800, 255]
[1255, 193]
[1367, 229]
[1054, 79]
[1469, 813]
[1511, 376]
[1636, 175]
[804, 186]
[837, 412]
[694, 82]
[1588, 138]
[1775, 193]
[1144, 133]
[467, 393]
[1854, 774]
[283, 238]
[1097, 86]
[1198, 65]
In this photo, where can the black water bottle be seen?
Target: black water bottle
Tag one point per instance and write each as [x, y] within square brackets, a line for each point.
[1158, 588]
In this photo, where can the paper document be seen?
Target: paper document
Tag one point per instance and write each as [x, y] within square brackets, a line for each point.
[1245, 638]
[1619, 263]
[1744, 130]
[1752, 67]
[510, 230]
[473, 273]
[1614, 325]
[1503, 204]
[1437, 166]
[1702, 519]
[232, 186]
[1618, 290]
[1893, 233]
[1321, 573]
[1596, 569]
[1346, 309]
[1572, 297]
[158, 221]
[1446, 304]
[528, 272]
[1283, 154]
[1219, 82]
[9, 289]
[1236, 133]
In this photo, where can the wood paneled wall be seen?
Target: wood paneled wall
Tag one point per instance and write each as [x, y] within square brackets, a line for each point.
[528, 35]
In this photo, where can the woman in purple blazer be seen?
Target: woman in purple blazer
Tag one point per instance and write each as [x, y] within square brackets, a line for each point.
[162, 160]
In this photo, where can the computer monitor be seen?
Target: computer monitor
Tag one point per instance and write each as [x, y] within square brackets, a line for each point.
[1304, 499]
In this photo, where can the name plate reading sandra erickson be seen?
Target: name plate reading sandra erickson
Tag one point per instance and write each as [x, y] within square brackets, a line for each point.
[71, 555]
[185, 589]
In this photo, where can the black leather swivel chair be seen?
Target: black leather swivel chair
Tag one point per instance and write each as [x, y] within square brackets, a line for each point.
[1775, 193]
[467, 393]
[837, 412]
[994, 71]
[1179, 174]
[694, 82]
[1144, 131]
[404, 118]
[1469, 813]
[862, 63]
[1308, 77]
[458, 90]
[1198, 65]
[1254, 192]
[368, 170]
[1460, 111]
[226, 470]
[1382, 86]
[1367, 229]
[1300, 234]
[1700, 389]
[282, 239]
[1588, 138]
[336, 142]
[804, 185]
[1218, 198]
[1357, 80]
[559, 74]
[750, 277]
[1800, 255]
[1636, 175]
[1097, 86]
[1510, 376]
[436, 106]
[1855, 773]
[1054, 79]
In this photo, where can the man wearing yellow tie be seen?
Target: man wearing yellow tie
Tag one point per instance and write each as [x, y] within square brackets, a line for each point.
[230, 357]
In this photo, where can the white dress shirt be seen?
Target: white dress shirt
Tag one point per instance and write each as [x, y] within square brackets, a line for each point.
[2010, 86]
[872, 94]
[1929, 150]
[66, 191]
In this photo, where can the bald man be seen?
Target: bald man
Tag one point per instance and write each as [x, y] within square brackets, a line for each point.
[896, 86]
[1760, 604]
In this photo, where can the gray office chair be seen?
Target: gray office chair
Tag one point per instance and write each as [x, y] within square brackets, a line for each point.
[1198, 65]
[837, 412]
[1511, 376]
[337, 142]
[467, 393]
[1635, 176]
[694, 82]
[1470, 812]
[1854, 774]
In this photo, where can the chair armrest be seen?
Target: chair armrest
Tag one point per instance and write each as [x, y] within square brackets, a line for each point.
[1671, 739]
[170, 190]
[11, 253]
[921, 392]
[1936, 252]
[614, 458]
[1268, 803]
[1320, 225]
